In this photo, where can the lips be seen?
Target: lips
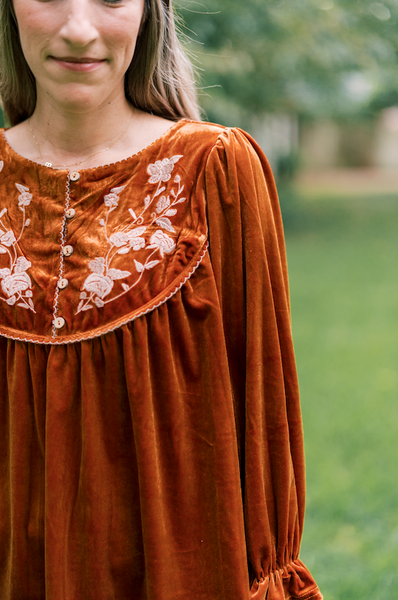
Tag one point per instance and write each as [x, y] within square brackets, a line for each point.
[72, 59]
[84, 64]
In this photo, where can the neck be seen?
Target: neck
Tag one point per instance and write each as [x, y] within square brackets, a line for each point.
[65, 138]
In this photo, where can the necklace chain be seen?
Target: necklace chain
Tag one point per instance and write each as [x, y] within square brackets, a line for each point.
[50, 164]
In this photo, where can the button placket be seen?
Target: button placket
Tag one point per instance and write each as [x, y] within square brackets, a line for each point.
[59, 322]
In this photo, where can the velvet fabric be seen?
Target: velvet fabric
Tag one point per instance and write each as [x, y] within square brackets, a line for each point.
[150, 430]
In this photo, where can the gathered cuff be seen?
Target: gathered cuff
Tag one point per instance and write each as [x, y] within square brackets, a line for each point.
[292, 582]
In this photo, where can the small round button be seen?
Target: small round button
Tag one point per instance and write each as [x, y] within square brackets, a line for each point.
[68, 250]
[59, 322]
[70, 213]
[62, 283]
[74, 176]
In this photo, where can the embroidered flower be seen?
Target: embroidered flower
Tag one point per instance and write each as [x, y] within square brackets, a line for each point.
[19, 282]
[162, 204]
[24, 199]
[134, 237]
[8, 239]
[161, 170]
[97, 265]
[163, 242]
[101, 285]
[16, 283]
[137, 243]
[111, 200]
[119, 239]
[22, 265]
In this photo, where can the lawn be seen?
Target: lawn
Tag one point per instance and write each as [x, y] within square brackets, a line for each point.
[343, 263]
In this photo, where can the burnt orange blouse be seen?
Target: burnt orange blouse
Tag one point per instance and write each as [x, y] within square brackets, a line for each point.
[150, 431]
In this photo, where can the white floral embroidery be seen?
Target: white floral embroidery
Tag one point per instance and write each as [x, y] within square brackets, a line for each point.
[162, 169]
[98, 286]
[15, 282]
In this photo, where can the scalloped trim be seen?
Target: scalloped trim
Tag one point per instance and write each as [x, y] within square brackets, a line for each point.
[112, 327]
[90, 169]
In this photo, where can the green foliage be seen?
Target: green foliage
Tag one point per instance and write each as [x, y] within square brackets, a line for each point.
[342, 261]
[308, 57]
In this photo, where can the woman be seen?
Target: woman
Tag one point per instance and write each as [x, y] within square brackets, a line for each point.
[150, 433]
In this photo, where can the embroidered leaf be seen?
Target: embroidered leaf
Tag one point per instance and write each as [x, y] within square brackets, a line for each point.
[151, 264]
[119, 239]
[136, 232]
[83, 296]
[117, 190]
[100, 303]
[3, 212]
[1, 165]
[28, 294]
[159, 191]
[132, 213]
[117, 274]
[124, 250]
[21, 188]
[139, 266]
[27, 222]
[171, 212]
[165, 223]
[180, 200]
[80, 305]
[11, 301]
[22, 305]
[147, 201]
[102, 222]
[2, 249]
[172, 193]
[87, 307]
[176, 158]
[31, 303]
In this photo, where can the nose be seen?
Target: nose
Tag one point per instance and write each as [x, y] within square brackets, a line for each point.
[79, 27]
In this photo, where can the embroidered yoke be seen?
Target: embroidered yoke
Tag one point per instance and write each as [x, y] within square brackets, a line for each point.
[150, 430]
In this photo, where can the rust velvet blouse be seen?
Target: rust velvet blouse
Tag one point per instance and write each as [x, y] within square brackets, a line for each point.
[150, 431]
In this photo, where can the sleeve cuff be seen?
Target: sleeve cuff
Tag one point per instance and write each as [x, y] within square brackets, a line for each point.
[292, 582]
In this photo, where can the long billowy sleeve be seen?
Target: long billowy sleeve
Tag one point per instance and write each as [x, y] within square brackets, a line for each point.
[248, 258]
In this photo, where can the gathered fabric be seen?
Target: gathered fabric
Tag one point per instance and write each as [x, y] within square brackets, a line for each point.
[150, 428]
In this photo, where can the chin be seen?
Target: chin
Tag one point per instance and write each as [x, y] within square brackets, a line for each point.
[81, 99]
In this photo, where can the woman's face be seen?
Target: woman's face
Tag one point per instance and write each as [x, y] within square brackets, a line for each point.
[78, 50]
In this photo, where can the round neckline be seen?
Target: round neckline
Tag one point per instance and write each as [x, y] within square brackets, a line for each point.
[122, 161]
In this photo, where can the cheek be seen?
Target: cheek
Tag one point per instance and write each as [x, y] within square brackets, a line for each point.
[123, 44]
[34, 31]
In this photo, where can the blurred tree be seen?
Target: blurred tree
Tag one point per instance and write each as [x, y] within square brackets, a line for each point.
[317, 58]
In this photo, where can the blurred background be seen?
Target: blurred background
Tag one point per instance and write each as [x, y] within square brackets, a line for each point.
[316, 83]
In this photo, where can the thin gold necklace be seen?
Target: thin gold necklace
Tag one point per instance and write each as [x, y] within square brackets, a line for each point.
[50, 164]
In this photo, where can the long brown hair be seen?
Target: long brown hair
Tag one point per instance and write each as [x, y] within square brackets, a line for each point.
[160, 78]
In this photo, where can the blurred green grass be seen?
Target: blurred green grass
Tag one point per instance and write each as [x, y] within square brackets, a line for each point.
[343, 264]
